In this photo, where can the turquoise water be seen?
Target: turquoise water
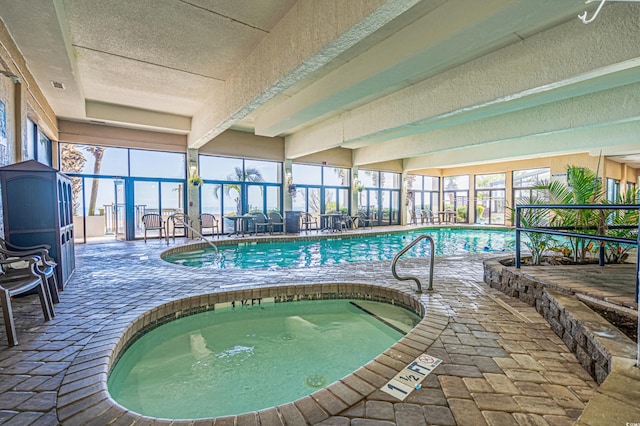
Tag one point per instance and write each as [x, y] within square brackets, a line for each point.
[448, 242]
[235, 360]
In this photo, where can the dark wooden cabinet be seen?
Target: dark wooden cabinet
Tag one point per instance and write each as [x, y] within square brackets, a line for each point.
[37, 208]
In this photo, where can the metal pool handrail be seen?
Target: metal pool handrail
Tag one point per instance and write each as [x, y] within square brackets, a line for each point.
[407, 248]
[202, 237]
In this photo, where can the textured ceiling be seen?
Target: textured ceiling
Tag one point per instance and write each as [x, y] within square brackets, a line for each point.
[184, 57]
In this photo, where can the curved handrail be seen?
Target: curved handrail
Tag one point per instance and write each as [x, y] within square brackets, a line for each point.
[202, 237]
[407, 248]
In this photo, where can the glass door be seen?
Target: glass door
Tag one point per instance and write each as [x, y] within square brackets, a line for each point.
[146, 199]
[119, 213]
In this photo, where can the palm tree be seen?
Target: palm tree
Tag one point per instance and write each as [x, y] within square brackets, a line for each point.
[240, 175]
[73, 161]
[583, 187]
[98, 153]
[622, 224]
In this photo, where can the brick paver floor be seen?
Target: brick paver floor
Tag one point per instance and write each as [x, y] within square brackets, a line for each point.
[502, 365]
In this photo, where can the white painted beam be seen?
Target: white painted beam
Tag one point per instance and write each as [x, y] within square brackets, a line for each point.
[617, 105]
[312, 34]
[518, 76]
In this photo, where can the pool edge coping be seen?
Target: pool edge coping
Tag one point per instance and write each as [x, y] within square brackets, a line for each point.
[84, 391]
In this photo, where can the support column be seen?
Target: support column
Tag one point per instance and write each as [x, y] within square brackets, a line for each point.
[288, 180]
[355, 183]
[404, 200]
[193, 191]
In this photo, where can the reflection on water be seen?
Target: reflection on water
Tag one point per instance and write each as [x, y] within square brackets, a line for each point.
[292, 254]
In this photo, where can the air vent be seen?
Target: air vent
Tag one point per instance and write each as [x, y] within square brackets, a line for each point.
[57, 85]
[96, 122]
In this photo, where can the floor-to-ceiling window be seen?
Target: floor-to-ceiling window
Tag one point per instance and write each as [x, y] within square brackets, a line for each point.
[456, 199]
[320, 189]
[613, 190]
[524, 185]
[380, 199]
[490, 199]
[113, 188]
[235, 186]
[423, 194]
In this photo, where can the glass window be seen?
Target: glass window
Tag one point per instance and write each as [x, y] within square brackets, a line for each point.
[613, 190]
[456, 182]
[431, 183]
[305, 174]
[157, 164]
[94, 160]
[219, 168]
[492, 181]
[390, 180]
[270, 171]
[43, 149]
[255, 199]
[31, 137]
[369, 178]
[414, 182]
[530, 177]
[335, 176]
[273, 199]
[172, 194]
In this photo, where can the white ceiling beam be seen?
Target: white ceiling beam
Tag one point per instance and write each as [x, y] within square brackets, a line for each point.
[561, 62]
[617, 105]
[591, 139]
[311, 35]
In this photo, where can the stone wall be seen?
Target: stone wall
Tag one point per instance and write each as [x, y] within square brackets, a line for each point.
[593, 340]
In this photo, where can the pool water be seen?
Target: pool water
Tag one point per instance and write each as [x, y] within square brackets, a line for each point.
[236, 360]
[302, 253]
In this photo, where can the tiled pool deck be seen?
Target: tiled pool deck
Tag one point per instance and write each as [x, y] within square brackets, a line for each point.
[502, 363]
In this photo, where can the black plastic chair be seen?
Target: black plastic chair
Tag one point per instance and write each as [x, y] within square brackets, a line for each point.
[275, 219]
[261, 223]
[19, 281]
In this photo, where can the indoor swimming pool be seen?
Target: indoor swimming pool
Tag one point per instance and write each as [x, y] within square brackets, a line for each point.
[344, 248]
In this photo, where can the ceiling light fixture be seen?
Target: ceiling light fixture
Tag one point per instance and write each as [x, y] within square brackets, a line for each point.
[583, 17]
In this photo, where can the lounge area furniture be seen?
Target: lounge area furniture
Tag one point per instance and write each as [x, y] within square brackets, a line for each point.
[45, 266]
[178, 221]
[209, 221]
[13, 283]
[152, 222]
[363, 220]
[426, 216]
[308, 222]
[276, 220]
[261, 223]
[413, 219]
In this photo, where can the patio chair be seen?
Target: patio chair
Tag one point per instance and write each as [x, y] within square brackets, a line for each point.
[16, 283]
[207, 220]
[275, 219]
[307, 220]
[152, 222]
[261, 222]
[426, 217]
[342, 222]
[413, 219]
[363, 220]
[178, 221]
[45, 266]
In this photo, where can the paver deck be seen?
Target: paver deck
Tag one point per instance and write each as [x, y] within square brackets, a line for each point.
[502, 364]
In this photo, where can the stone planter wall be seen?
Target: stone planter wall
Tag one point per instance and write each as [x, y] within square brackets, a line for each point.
[593, 340]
